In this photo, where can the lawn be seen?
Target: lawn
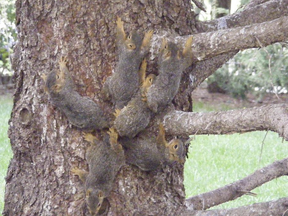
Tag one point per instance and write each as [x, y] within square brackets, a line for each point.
[5, 148]
[214, 160]
[217, 160]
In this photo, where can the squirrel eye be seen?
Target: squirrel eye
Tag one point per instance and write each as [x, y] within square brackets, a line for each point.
[175, 146]
[57, 76]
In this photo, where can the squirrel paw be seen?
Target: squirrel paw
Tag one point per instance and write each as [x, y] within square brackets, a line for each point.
[81, 173]
[89, 137]
[147, 39]
[117, 147]
[116, 113]
[63, 61]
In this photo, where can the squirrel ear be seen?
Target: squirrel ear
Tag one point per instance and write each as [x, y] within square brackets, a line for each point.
[88, 192]
[100, 194]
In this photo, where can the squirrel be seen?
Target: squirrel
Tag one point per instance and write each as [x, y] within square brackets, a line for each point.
[124, 82]
[81, 112]
[171, 63]
[104, 159]
[135, 117]
[149, 152]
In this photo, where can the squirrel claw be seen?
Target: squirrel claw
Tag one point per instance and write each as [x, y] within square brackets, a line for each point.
[117, 112]
[63, 61]
[89, 137]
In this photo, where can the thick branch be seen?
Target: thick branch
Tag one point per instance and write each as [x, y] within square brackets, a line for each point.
[238, 188]
[269, 117]
[278, 207]
[223, 41]
[251, 14]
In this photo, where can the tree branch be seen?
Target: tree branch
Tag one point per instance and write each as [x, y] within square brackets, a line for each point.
[269, 117]
[210, 44]
[203, 69]
[238, 188]
[278, 207]
[253, 13]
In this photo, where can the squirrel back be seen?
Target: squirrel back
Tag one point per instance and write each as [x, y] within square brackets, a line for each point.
[104, 159]
[82, 112]
[136, 116]
[124, 82]
[149, 152]
[171, 63]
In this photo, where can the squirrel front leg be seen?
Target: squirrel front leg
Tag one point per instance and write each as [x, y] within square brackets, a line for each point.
[120, 33]
[81, 173]
[90, 138]
[161, 141]
[117, 147]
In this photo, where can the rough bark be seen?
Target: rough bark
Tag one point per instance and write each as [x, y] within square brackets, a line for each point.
[210, 44]
[268, 117]
[238, 188]
[45, 145]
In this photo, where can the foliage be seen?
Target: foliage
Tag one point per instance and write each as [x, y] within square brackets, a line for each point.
[7, 33]
[256, 71]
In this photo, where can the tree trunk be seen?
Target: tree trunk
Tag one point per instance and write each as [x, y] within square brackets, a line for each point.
[45, 145]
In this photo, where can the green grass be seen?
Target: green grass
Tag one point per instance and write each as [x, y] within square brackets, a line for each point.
[5, 148]
[217, 160]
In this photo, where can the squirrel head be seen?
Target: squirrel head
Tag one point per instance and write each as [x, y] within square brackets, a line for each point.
[55, 81]
[168, 51]
[176, 151]
[133, 41]
[94, 199]
[148, 81]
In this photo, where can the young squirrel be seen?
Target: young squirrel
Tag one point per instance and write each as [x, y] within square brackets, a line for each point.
[135, 117]
[104, 159]
[149, 152]
[171, 62]
[81, 112]
[124, 82]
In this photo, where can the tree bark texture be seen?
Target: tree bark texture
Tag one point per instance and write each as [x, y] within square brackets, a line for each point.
[45, 145]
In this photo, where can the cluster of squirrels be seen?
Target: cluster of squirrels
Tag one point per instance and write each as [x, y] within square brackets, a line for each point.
[137, 98]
